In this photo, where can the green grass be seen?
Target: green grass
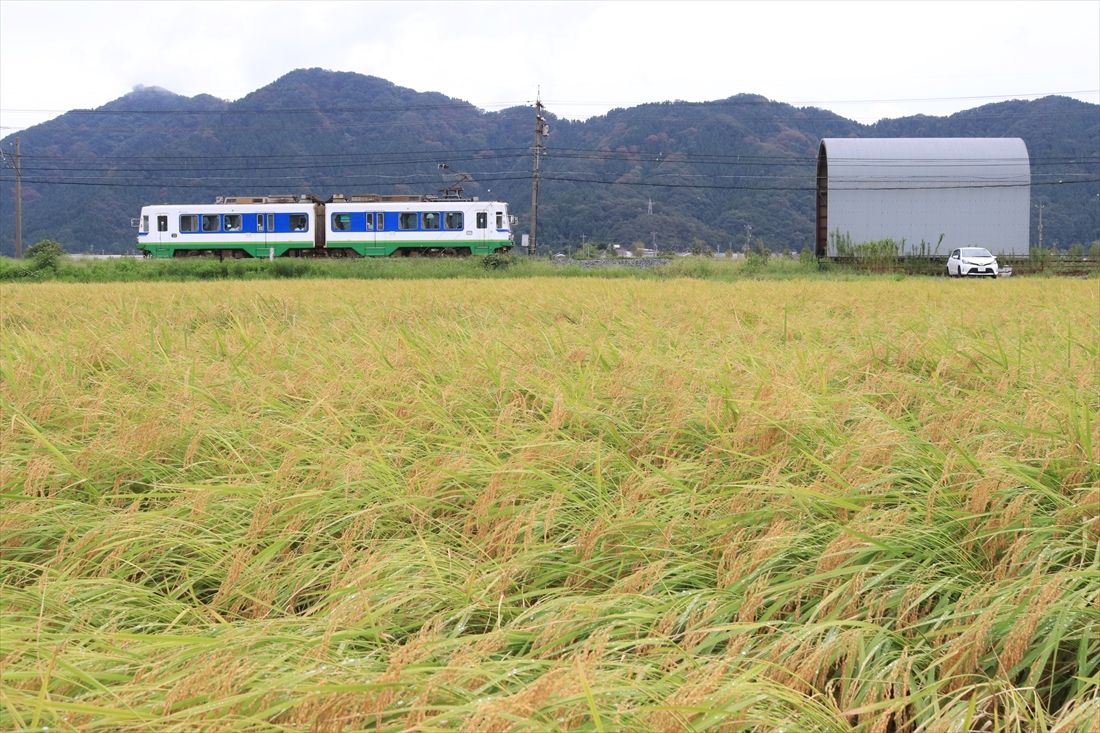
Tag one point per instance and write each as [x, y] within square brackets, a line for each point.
[550, 504]
[199, 269]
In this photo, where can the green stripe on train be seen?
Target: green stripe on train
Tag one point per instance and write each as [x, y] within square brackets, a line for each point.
[256, 250]
[364, 249]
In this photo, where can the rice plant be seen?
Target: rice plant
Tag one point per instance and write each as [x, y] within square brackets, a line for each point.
[549, 504]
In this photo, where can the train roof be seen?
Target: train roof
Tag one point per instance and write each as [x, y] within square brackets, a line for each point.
[339, 198]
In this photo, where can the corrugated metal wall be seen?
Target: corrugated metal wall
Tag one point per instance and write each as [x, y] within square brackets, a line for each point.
[972, 191]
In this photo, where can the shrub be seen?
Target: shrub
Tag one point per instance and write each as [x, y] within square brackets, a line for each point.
[755, 262]
[586, 252]
[18, 270]
[498, 261]
[45, 255]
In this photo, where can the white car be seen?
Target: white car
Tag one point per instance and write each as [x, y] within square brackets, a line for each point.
[975, 261]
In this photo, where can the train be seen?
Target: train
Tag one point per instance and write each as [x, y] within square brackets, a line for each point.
[358, 225]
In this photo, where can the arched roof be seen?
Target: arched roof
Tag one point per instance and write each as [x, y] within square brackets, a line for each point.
[921, 163]
[924, 192]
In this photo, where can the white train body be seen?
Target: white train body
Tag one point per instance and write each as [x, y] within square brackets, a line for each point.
[366, 225]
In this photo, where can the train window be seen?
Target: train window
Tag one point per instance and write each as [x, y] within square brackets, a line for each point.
[232, 222]
[189, 223]
[500, 220]
[431, 220]
[370, 221]
[341, 222]
[299, 222]
[406, 220]
[482, 220]
[210, 222]
[144, 223]
[259, 222]
[162, 223]
[270, 222]
[452, 220]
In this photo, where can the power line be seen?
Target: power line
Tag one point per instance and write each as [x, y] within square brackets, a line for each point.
[746, 102]
[760, 99]
[813, 188]
[215, 183]
[744, 115]
[230, 110]
[739, 100]
[341, 155]
[664, 157]
[251, 167]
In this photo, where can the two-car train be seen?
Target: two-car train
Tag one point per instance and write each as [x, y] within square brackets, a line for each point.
[361, 225]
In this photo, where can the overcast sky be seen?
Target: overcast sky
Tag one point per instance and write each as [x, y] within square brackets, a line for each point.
[862, 60]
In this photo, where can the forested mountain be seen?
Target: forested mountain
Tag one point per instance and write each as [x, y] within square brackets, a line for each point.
[673, 173]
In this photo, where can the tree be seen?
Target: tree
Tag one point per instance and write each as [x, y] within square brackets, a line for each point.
[46, 254]
[585, 252]
[699, 248]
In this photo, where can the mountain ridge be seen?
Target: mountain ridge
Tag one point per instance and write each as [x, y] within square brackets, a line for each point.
[678, 174]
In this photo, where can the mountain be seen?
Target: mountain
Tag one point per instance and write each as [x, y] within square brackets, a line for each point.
[674, 173]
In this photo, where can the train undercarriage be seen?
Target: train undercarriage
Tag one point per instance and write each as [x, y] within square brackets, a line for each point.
[226, 253]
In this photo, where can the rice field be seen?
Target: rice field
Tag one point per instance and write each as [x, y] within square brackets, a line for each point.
[550, 505]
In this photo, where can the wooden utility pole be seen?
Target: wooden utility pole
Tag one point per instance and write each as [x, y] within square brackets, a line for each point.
[541, 130]
[1040, 225]
[18, 204]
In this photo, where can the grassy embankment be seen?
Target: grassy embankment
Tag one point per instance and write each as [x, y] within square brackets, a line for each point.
[550, 504]
[77, 270]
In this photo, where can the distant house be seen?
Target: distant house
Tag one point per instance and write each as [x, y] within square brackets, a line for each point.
[935, 194]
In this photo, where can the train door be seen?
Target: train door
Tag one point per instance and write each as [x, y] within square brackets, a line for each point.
[265, 233]
[483, 220]
[153, 227]
[372, 223]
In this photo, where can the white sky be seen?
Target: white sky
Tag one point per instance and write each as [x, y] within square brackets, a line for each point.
[862, 60]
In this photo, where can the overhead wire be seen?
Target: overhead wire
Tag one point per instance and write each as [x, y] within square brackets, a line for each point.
[42, 167]
[747, 99]
[208, 183]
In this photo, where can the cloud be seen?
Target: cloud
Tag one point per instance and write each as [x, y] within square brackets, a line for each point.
[587, 57]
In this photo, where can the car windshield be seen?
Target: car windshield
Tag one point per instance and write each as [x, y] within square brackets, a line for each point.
[975, 252]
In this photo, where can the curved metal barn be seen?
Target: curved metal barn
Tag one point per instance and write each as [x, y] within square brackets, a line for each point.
[931, 194]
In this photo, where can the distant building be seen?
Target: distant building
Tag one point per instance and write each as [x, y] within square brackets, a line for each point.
[974, 192]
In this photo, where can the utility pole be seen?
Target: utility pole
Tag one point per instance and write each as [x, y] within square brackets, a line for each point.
[541, 131]
[1040, 218]
[748, 238]
[18, 204]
